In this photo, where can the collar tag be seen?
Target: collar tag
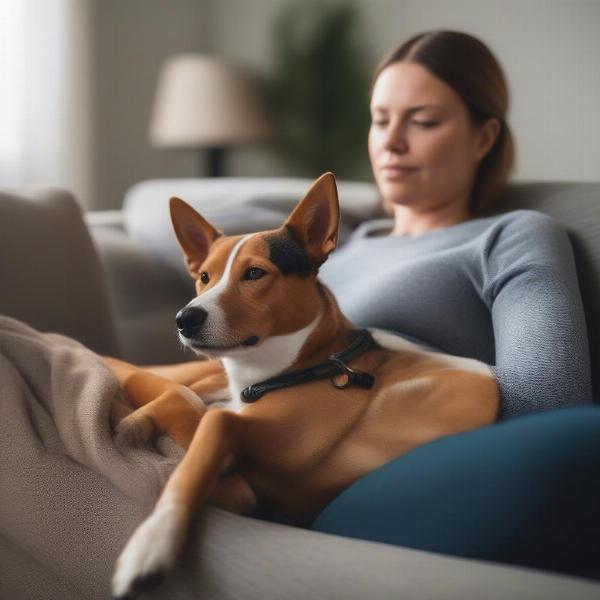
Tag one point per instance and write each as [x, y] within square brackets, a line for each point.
[349, 376]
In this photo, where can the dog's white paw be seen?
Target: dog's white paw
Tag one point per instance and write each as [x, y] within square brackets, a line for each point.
[136, 429]
[150, 552]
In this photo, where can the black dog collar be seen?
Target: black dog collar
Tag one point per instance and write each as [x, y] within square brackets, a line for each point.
[334, 366]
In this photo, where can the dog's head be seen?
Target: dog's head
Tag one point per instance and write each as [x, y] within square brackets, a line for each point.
[250, 288]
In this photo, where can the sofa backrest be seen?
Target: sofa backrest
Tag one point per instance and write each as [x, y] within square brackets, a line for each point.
[577, 207]
[50, 274]
[234, 204]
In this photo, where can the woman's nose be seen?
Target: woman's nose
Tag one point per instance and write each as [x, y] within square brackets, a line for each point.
[395, 140]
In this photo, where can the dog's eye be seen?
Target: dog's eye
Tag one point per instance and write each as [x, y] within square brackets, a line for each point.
[204, 278]
[254, 273]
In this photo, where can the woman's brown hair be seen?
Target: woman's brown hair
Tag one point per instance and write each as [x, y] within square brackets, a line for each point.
[468, 66]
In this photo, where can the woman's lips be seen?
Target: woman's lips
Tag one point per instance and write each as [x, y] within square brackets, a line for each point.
[396, 172]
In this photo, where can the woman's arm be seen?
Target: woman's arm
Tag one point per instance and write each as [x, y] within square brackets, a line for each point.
[531, 289]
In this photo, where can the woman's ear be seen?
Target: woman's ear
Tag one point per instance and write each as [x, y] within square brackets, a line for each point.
[486, 137]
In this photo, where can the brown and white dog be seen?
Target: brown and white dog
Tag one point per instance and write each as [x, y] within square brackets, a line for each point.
[260, 312]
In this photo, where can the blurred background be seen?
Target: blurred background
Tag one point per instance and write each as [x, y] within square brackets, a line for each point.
[96, 95]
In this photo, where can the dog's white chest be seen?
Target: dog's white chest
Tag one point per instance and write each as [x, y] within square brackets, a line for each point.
[251, 366]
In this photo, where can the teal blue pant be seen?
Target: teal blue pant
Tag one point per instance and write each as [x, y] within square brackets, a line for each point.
[525, 491]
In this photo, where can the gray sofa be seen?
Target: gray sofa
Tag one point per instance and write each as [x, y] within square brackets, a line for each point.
[114, 281]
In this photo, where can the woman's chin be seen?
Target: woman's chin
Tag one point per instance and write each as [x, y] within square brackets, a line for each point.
[397, 193]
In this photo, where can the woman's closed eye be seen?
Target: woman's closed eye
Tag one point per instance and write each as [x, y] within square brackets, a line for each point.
[425, 124]
[420, 123]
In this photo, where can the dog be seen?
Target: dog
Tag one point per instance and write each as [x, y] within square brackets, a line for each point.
[295, 402]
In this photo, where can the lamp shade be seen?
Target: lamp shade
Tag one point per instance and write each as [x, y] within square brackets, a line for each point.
[204, 102]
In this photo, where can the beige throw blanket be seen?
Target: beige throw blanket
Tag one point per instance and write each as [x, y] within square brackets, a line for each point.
[56, 395]
[58, 461]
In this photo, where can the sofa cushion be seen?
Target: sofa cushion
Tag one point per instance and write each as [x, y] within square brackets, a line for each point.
[50, 272]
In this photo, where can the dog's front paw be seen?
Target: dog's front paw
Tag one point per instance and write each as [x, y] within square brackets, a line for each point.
[149, 554]
[136, 429]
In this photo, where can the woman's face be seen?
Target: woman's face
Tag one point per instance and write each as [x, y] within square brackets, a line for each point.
[423, 148]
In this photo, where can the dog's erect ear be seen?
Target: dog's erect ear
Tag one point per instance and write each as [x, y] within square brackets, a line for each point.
[315, 221]
[194, 234]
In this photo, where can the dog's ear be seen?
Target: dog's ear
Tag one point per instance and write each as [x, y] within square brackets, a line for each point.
[194, 234]
[315, 221]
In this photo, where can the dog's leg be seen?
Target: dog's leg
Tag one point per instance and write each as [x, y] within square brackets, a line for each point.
[207, 378]
[153, 548]
[163, 406]
[140, 386]
[189, 372]
[176, 412]
[233, 493]
[204, 377]
[212, 388]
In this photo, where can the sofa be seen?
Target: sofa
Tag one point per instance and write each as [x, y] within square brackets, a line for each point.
[113, 281]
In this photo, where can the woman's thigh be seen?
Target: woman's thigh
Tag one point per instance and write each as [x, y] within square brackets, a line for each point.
[524, 491]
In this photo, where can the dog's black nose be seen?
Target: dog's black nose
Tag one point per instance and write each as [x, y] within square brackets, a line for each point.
[189, 320]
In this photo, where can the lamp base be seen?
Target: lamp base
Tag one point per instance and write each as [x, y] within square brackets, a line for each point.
[213, 159]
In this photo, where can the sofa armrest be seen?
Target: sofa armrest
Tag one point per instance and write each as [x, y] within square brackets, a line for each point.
[50, 273]
[146, 293]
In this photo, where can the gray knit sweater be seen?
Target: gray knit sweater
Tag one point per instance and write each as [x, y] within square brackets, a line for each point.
[501, 289]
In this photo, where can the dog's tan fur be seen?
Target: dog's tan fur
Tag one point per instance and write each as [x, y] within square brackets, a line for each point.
[295, 449]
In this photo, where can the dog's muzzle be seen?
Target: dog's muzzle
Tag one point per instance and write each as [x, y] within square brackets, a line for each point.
[189, 321]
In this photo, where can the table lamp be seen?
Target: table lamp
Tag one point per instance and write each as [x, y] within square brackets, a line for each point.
[206, 103]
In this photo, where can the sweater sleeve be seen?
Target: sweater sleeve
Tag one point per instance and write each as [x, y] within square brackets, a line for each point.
[530, 287]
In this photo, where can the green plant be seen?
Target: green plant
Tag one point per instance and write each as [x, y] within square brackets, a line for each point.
[317, 94]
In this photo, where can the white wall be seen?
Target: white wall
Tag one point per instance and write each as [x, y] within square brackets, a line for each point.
[129, 41]
[550, 50]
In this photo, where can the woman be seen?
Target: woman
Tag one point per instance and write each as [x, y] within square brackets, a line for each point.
[501, 289]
